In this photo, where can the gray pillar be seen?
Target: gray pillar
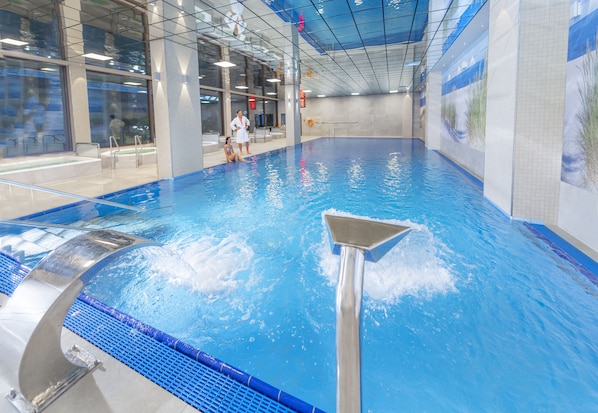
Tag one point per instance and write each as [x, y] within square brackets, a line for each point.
[292, 82]
[177, 106]
[525, 106]
[76, 77]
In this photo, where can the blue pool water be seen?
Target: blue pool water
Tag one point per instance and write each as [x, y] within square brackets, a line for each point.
[469, 313]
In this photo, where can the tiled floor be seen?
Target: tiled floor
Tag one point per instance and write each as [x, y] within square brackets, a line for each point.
[17, 202]
[112, 387]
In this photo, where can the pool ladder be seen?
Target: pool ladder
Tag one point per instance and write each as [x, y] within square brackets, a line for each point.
[113, 152]
[356, 240]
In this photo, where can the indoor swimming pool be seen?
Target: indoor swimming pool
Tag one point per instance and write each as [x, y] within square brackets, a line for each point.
[471, 312]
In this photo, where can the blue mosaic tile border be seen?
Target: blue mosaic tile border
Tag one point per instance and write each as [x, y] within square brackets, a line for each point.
[584, 264]
[195, 377]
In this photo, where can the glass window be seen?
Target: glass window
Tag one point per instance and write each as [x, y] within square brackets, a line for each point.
[31, 27]
[238, 73]
[209, 73]
[114, 36]
[270, 87]
[32, 117]
[211, 112]
[118, 106]
[255, 77]
[270, 107]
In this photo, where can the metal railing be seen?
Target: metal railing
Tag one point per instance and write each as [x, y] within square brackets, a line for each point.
[113, 153]
[67, 194]
[138, 147]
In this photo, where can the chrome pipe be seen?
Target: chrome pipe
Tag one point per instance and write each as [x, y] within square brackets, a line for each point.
[356, 240]
[348, 325]
[75, 196]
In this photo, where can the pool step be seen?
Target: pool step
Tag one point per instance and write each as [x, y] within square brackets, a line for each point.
[34, 242]
[18, 255]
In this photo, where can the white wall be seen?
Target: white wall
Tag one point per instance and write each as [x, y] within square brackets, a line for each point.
[375, 115]
[578, 214]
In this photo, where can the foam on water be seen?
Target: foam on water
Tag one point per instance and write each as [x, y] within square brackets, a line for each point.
[413, 267]
[215, 263]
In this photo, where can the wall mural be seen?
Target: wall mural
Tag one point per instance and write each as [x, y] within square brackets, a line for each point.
[463, 101]
[580, 136]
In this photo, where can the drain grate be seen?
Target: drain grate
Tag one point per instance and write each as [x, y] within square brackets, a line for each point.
[153, 355]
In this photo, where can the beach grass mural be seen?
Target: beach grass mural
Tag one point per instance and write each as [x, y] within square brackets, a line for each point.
[476, 111]
[588, 117]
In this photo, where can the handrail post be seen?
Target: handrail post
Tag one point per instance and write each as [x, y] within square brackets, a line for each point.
[137, 140]
[113, 156]
[357, 240]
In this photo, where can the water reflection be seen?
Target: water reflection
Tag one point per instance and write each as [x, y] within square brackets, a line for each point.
[356, 175]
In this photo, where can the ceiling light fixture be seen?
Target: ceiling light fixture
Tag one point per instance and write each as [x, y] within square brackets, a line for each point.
[224, 63]
[271, 93]
[407, 64]
[241, 87]
[273, 80]
[307, 91]
[13, 42]
[393, 91]
[354, 93]
[321, 96]
[132, 83]
[96, 56]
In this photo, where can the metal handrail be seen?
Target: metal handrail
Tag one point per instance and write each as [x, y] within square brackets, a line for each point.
[113, 155]
[67, 194]
[138, 150]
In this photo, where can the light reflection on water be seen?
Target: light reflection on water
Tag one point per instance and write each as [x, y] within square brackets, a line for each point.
[468, 311]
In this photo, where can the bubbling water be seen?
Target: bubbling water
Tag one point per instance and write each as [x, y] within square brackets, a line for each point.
[412, 267]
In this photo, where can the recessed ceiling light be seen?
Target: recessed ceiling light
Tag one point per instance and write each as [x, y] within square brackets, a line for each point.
[321, 96]
[307, 91]
[393, 91]
[241, 87]
[96, 56]
[224, 63]
[13, 42]
[271, 93]
[354, 93]
[273, 80]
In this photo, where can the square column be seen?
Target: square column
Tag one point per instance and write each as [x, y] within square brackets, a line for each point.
[292, 82]
[527, 55]
[78, 101]
[177, 105]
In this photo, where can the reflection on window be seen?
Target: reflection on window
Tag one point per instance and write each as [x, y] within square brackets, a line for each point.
[118, 106]
[30, 32]
[31, 108]
[211, 113]
[209, 73]
[238, 73]
[113, 36]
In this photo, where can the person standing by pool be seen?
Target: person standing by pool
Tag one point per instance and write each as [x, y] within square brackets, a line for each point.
[116, 127]
[241, 125]
[230, 154]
